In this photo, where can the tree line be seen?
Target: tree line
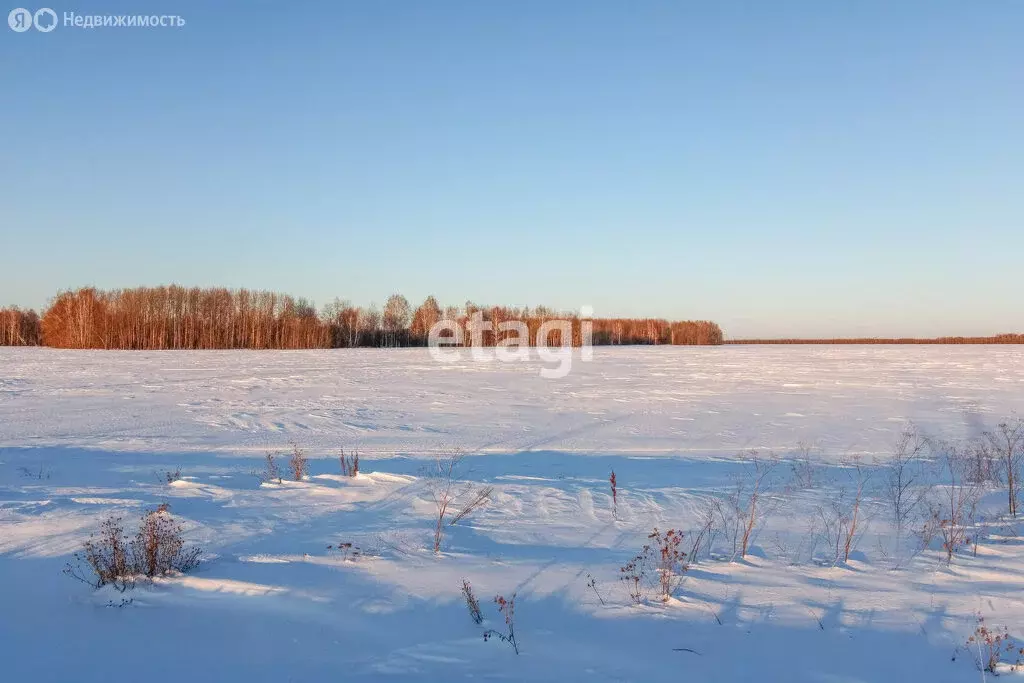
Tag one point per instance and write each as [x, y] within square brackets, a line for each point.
[19, 328]
[994, 339]
[173, 317]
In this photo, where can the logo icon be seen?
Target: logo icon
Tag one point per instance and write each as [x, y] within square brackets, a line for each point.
[45, 20]
[20, 20]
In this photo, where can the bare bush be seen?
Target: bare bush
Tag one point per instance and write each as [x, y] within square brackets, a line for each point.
[703, 537]
[742, 511]
[453, 500]
[474, 499]
[670, 560]
[796, 552]
[843, 525]
[634, 575]
[981, 463]
[157, 549]
[171, 476]
[297, 463]
[39, 473]
[928, 530]
[347, 550]
[615, 495]
[507, 608]
[991, 646]
[271, 472]
[472, 604]
[953, 505]
[1007, 448]
[106, 555]
[804, 466]
[349, 463]
[905, 486]
[592, 585]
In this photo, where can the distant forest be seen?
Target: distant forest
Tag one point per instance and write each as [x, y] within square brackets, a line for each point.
[995, 339]
[155, 318]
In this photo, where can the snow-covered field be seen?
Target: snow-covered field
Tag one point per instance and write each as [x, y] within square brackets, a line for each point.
[87, 434]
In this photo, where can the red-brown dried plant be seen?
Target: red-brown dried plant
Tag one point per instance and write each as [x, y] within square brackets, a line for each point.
[671, 560]
[990, 646]
[508, 610]
[349, 463]
[472, 604]
[615, 495]
[297, 463]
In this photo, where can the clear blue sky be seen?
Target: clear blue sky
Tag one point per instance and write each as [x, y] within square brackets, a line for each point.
[783, 168]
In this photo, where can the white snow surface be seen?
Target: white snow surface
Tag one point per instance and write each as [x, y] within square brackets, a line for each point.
[84, 435]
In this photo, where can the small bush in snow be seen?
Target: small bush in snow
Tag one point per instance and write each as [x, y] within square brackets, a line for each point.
[703, 538]
[804, 466]
[508, 610]
[297, 463]
[592, 585]
[40, 473]
[990, 646]
[743, 510]
[615, 495]
[1006, 446]
[452, 501]
[271, 473]
[158, 549]
[670, 560]
[842, 518]
[905, 486]
[472, 604]
[953, 507]
[349, 463]
[635, 575]
[106, 554]
[346, 550]
[171, 476]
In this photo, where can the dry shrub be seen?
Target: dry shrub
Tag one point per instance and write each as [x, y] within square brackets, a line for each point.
[615, 495]
[953, 506]
[671, 563]
[349, 464]
[346, 550]
[157, 549]
[472, 604]
[905, 488]
[171, 476]
[271, 471]
[453, 500]
[1006, 446]
[508, 610]
[990, 646]
[667, 560]
[106, 554]
[703, 538]
[804, 466]
[743, 510]
[635, 574]
[592, 585]
[298, 463]
[842, 519]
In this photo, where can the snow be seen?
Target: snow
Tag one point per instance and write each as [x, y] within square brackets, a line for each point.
[87, 434]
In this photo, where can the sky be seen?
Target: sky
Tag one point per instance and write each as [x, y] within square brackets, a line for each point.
[783, 168]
